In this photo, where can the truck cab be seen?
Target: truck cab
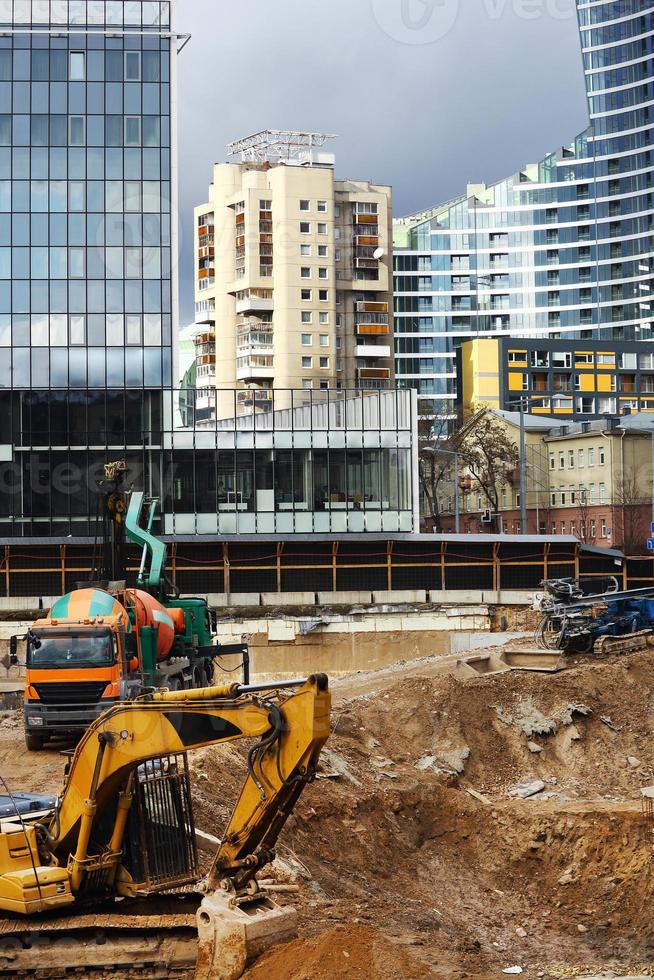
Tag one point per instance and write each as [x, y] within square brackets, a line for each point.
[74, 671]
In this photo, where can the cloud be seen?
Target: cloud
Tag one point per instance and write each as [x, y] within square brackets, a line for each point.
[496, 91]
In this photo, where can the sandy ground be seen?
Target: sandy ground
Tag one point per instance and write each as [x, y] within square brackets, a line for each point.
[413, 858]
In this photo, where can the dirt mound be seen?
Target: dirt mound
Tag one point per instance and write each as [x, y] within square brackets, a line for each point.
[414, 832]
[347, 953]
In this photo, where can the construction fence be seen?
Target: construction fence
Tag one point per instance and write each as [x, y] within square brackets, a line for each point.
[351, 563]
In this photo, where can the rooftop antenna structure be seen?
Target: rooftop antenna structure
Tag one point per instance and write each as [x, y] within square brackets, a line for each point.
[277, 145]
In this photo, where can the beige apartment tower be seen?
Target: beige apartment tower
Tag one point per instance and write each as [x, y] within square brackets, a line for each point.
[293, 282]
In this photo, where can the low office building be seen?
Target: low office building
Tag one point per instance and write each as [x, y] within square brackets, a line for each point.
[333, 462]
[592, 480]
[293, 274]
[567, 379]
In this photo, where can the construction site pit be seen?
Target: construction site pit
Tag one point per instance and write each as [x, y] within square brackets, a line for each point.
[460, 827]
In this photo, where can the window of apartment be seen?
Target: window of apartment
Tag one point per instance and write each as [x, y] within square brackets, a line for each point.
[306, 295]
[337, 233]
[77, 66]
[591, 457]
[77, 130]
[561, 461]
[592, 497]
[337, 210]
[503, 497]
[339, 343]
[602, 456]
[324, 340]
[324, 362]
[305, 227]
[339, 300]
[322, 251]
[132, 66]
[322, 206]
[339, 364]
[323, 295]
[602, 493]
[265, 205]
[553, 527]
[324, 384]
[552, 463]
[322, 228]
[307, 339]
[305, 205]
[306, 316]
[305, 272]
[563, 497]
[307, 362]
[573, 495]
[562, 527]
[322, 272]
[602, 527]
[307, 383]
[337, 255]
[571, 458]
[323, 318]
[581, 457]
[573, 527]
[305, 250]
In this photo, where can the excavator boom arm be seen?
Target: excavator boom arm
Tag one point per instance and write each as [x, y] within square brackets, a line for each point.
[291, 726]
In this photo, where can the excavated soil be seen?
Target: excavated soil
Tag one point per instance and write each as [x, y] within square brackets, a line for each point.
[411, 856]
[411, 845]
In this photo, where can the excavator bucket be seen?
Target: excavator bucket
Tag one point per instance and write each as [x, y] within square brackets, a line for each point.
[233, 934]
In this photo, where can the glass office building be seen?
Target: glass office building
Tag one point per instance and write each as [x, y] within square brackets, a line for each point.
[87, 290]
[328, 462]
[562, 249]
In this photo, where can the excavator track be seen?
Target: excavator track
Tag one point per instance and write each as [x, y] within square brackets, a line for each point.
[619, 645]
[135, 942]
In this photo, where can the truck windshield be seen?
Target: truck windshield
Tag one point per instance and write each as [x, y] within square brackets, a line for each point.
[70, 649]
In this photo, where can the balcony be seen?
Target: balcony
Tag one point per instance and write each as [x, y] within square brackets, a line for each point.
[208, 273]
[377, 373]
[372, 329]
[260, 398]
[372, 350]
[373, 307]
[366, 219]
[254, 303]
[253, 372]
[371, 240]
[205, 313]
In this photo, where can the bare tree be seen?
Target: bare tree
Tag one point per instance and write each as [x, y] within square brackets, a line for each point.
[435, 447]
[631, 514]
[490, 455]
[583, 531]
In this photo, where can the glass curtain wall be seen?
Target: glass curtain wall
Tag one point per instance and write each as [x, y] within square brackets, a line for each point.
[564, 248]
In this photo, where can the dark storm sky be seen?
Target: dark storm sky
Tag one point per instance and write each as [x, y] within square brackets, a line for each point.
[424, 94]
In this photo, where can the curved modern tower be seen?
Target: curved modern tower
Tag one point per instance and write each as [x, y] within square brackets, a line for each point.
[562, 249]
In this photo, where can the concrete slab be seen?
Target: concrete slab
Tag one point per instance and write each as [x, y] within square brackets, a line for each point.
[344, 598]
[288, 598]
[281, 631]
[457, 597]
[19, 603]
[224, 600]
[410, 596]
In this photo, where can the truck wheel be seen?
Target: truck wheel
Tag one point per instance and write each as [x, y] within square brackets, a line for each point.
[34, 741]
[174, 684]
[198, 678]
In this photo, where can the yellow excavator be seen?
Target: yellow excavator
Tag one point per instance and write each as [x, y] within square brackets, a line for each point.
[123, 826]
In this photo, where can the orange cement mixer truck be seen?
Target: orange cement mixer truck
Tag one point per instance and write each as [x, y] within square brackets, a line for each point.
[97, 646]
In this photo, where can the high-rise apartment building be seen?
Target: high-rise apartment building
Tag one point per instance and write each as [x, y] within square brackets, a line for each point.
[87, 291]
[293, 275]
[562, 249]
